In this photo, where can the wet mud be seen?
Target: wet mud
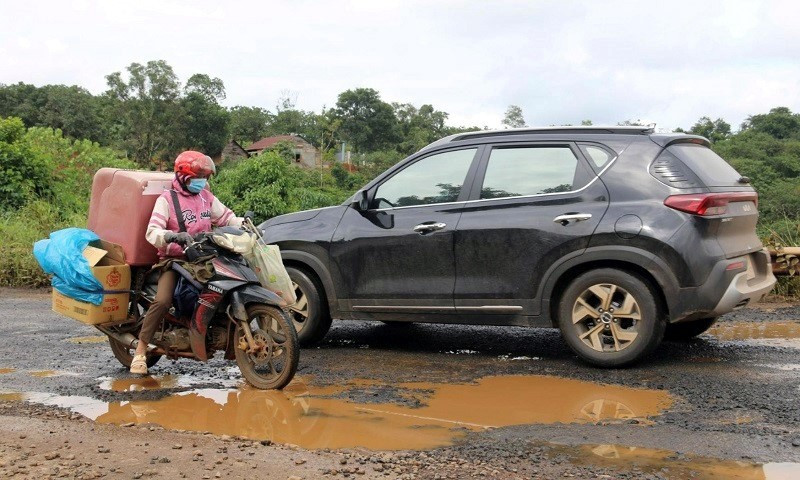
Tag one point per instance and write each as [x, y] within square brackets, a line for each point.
[730, 394]
[752, 330]
[315, 417]
[674, 465]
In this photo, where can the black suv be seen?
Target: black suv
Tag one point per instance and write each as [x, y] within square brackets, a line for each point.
[616, 235]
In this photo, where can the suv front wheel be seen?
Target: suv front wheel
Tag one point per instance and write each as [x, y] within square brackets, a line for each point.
[610, 318]
[310, 314]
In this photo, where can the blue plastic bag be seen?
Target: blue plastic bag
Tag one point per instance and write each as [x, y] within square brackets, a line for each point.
[62, 256]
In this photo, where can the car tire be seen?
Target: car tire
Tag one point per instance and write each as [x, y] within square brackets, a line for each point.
[610, 317]
[682, 331]
[310, 314]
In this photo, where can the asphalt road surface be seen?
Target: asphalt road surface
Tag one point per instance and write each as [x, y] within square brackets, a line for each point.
[408, 401]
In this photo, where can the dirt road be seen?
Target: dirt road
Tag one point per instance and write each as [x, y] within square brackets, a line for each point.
[414, 401]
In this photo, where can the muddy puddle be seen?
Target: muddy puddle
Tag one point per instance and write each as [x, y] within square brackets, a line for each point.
[781, 334]
[423, 415]
[675, 466]
[4, 371]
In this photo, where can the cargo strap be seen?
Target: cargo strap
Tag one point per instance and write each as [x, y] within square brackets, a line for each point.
[178, 212]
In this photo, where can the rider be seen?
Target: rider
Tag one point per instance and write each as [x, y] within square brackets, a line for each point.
[200, 211]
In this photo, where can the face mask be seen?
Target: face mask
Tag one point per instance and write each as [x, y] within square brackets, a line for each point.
[196, 185]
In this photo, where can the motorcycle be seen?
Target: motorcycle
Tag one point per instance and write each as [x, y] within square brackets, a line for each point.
[233, 313]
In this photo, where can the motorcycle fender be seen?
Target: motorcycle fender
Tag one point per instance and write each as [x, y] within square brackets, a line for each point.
[248, 294]
[203, 314]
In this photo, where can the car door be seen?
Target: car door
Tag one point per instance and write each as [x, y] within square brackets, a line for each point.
[530, 205]
[397, 255]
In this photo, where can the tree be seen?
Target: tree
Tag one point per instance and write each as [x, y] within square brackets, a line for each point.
[211, 89]
[367, 122]
[206, 124]
[23, 101]
[586, 123]
[148, 108]
[513, 117]
[418, 127]
[715, 131]
[73, 109]
[294, 121]
[780, 122]
[249, 124]
[76, 112]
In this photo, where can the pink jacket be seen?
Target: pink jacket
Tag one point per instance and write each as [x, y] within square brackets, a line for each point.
[201, 212]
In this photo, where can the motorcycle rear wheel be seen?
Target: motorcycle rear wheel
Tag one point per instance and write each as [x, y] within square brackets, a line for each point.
[275, 364]
[125, 354]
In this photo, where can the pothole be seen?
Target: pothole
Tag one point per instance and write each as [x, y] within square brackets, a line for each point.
[673, 465]
[318, 417]
[780, 334]
[161, 382]
[51, 373]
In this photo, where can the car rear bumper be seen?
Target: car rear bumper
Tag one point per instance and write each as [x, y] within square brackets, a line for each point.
[743, 291]
[727, 289]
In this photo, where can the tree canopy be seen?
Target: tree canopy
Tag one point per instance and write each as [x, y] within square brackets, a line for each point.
[367, 122]
[513, 117]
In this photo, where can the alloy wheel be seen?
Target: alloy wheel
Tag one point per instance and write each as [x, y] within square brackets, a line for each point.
[299, 311]
[606, 317]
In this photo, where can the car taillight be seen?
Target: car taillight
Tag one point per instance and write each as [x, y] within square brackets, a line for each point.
[708, 204]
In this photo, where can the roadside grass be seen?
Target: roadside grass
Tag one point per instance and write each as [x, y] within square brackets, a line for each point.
[19, 230]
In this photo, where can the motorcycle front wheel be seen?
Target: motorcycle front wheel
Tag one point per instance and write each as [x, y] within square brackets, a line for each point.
[273, 362]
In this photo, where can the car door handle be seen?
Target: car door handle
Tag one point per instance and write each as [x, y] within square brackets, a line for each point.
[568, 218]
[429, 227]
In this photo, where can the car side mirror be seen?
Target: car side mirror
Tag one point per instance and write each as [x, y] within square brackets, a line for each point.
[361, 201]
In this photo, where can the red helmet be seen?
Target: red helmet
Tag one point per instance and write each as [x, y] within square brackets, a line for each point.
[191, 164]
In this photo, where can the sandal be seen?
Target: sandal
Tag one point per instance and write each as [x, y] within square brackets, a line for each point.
[139, 365]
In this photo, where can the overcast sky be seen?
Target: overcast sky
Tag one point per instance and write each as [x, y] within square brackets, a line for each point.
[561, 61]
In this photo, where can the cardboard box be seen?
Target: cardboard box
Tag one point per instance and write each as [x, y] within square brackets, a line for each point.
[107, 261]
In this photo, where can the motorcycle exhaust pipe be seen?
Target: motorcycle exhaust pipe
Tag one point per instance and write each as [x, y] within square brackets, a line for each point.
[131, 342]
[126, 339]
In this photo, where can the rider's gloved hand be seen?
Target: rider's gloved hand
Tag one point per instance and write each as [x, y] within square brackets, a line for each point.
[251, 215]
[182, 238]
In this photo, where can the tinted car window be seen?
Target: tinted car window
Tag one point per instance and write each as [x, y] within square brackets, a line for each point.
[434, 179]
[709, 167]
[513, 172]
[597, 155]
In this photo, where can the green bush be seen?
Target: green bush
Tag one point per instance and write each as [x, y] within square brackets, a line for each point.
[47, 182]
[269, 186]
[72, 164]
[25, 175]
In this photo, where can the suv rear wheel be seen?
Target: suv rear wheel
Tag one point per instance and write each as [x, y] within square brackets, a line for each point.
[310, 314]
[610, 318]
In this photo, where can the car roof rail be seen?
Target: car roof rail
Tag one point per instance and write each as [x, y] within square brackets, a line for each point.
[585, 129]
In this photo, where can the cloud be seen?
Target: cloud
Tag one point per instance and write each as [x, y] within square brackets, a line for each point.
[562, 62]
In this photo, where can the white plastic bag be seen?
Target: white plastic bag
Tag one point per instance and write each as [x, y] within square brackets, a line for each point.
[266, 261]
